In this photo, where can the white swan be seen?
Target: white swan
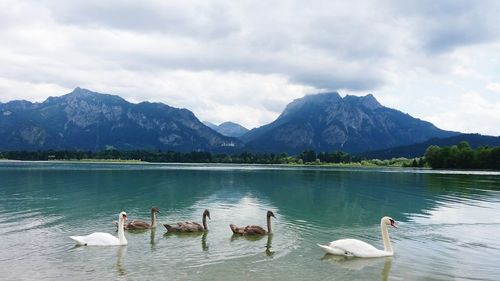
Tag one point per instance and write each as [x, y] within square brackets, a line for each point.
[104, 239]
[357, 248]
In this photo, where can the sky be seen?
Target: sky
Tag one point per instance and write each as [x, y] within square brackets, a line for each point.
[244, 61]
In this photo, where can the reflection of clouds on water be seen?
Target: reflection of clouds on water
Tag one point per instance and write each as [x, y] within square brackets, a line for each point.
[451, 240]
[248, 211]
[460, 222]
[12, 223]
[467, 212]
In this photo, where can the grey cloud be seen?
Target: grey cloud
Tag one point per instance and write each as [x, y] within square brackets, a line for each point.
[228, 37]
[442, 26]
[329, 81]
[324, 44]
[200, 19]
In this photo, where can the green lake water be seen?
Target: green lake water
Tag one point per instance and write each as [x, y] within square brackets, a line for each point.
[449, 222]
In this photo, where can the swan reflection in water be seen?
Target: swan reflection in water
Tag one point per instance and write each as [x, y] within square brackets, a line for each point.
[204, 244]
[190, 235]
[356, 264]
[253, 238]
[120, 269]
[269, 243]
[152, 236]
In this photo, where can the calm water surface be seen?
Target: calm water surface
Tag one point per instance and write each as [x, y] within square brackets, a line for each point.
[449, 222]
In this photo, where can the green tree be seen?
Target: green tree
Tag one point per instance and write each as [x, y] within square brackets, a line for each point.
[433, 156]
[465, 157]
[308, 156]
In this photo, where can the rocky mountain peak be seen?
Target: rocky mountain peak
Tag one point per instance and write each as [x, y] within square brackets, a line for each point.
[311, 102]
[83, 96]
[81, 92]
[328, 122]
[368, 101]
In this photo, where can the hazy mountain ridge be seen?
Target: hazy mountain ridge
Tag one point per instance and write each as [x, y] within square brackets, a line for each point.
[229, 129]
[84, 119]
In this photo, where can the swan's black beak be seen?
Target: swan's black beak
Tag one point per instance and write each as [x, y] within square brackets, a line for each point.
[393, 224]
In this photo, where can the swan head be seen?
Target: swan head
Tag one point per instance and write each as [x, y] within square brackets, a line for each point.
[270, 214]
[154, 210]
[207, 213]
[123, 216]
[389, 221]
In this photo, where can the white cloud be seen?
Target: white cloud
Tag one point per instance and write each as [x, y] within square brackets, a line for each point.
[471, 110]
[35, 92]
[494, 87]
[251, 99]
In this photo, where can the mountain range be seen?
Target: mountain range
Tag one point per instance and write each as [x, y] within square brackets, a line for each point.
[86, 120]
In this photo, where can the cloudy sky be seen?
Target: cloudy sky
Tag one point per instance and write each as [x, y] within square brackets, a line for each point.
[243, 61]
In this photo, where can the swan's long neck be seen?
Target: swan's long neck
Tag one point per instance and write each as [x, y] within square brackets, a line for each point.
[153, 219]
[205, 227]
[121, 234]
[385, 238]
[269, 230]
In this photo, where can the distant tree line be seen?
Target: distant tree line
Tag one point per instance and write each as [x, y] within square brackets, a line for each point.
[306, 157]
[149, 156]
[462, 156]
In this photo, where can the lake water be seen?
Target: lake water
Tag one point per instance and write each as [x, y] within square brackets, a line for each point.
[449, 222]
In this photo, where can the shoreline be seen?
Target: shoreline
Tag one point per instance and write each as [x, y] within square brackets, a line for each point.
[388, 169]
[119, 161]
